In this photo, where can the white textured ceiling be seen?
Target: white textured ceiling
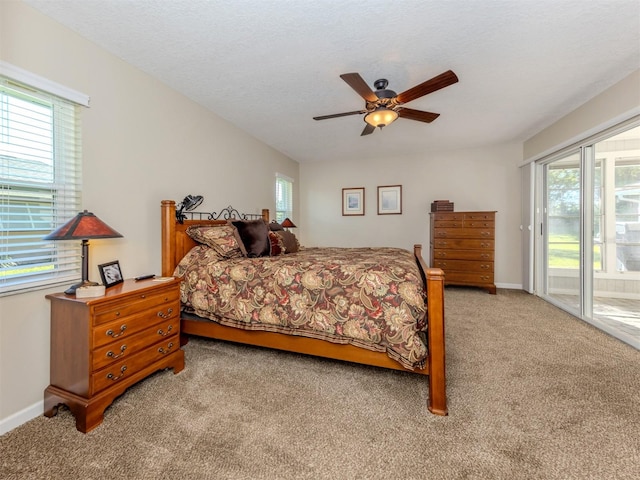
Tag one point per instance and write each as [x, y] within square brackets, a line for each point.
[269, 66]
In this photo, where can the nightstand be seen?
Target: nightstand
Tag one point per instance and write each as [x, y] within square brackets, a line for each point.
[100, 346]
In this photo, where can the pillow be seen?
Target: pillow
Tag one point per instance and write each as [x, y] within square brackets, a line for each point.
[276, 244]
[220, 238]
[275, 227]
[291, 244]
[254, 237]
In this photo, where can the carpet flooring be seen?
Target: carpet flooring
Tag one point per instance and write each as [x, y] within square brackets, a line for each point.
[534, 393]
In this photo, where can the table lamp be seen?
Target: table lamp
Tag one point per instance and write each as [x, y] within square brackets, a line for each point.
[286, 223]
[83, 226]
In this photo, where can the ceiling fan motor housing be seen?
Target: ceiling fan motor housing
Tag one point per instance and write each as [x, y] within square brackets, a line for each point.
[381, 89]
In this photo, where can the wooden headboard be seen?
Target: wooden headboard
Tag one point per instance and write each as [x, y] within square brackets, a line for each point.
[175, 241]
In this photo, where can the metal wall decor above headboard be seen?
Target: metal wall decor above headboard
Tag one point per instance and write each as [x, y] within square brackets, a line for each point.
[228, 213]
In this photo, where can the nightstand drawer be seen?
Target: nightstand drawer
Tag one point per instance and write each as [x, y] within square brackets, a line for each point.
[138, 303]
[127, 347]
[123, 369]
[125, 327]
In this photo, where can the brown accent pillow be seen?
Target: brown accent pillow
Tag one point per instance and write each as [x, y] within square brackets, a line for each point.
[276, 244]
[220, 238]
[254, 235]
[275, 226]
[291, 244]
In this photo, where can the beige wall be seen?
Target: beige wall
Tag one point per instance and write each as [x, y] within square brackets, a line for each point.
[477, 179]
[614, 105]
[142, 142]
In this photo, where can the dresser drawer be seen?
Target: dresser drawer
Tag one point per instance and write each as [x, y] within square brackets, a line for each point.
[450, 216]
[486, 255]
[448, 224]
[468, 244]
[489, 224]
[463, 233]
[123, 369]
[124, 348]
[467, 278]
[480, 216]
[463, 266]
[127, 326]
[136, 303]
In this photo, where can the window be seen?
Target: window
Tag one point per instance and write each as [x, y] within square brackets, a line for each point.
[39, 186]
[284, 197]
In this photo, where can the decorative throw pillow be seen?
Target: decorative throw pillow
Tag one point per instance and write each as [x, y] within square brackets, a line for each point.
[275, 226]
[291, 244]
[254, 237]
[276, 244]
[220, 238]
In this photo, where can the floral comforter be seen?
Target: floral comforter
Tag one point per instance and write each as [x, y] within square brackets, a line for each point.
[369, 297]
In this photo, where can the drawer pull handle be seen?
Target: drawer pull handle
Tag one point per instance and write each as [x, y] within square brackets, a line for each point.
[111, 376]
[111, 333]
[168, 350]
[143, 296]
[114, 356]
[165, 315]
[162, 333]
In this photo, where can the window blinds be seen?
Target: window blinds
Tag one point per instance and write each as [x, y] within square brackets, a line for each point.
[40, 181]
[284, 197]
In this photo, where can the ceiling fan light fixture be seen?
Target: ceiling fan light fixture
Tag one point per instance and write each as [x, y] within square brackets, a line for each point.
[381, 117]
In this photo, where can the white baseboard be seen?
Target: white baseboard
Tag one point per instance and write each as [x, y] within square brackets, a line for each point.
[510, 286]
[23, 416]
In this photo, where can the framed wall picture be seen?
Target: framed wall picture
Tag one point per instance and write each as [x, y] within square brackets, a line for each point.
[390, 200]
[110, 273]
[353, 201]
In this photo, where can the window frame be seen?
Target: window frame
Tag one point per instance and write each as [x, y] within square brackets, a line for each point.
[25, 194]
[287, 202]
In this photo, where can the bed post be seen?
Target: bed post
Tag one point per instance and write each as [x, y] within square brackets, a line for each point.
[265, 214]
[168, 237]
[434, 289]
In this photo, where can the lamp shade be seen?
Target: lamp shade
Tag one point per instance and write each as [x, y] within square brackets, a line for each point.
[85, 225]
[381, 117]
[286, 223]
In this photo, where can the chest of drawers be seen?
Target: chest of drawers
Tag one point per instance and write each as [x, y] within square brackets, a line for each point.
[463, 246]
[101, 346]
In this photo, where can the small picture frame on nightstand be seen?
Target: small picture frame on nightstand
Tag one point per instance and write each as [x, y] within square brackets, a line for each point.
[110, 273]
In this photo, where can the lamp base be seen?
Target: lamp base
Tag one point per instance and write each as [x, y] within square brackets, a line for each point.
[72, 289]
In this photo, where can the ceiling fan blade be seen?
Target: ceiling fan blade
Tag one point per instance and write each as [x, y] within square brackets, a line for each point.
[336, 115]
[368, 130]
[356, 82]
[419, 115]
[436, 83]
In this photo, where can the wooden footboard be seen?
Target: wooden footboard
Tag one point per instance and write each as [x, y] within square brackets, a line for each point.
[176, 244]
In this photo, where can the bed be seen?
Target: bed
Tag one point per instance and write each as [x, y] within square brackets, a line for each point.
[420, 350]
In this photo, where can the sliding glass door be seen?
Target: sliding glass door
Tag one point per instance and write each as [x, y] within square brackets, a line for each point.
[588, 238]
[562, 230]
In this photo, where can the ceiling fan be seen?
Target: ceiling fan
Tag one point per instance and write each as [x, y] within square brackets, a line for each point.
[384, 106]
